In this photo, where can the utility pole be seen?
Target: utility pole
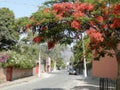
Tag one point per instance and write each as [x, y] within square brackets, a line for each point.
[39, 72]
[84, 57]
[40, 68]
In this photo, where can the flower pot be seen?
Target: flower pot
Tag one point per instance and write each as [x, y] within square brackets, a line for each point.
[9, 73]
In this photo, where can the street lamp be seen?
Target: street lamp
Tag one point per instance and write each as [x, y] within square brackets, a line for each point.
[84, 57]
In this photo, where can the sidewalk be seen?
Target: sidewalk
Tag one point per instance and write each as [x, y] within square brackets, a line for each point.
[89, 83]
[26, 79]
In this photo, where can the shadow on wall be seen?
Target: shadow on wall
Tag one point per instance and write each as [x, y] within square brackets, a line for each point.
[50, 89]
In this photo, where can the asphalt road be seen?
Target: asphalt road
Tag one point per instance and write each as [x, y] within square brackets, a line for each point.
[57, 81]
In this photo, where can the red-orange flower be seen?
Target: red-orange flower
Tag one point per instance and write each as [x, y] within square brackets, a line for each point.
[44, 28]
[59, 16]
[106, 11]
[37, 39]
[67, 6]
[78, 14]
[88, 7]
[58, 7]
[51, 44]
[28, 26]
[95, 36]
[46, 10]
[104, 26]
[116, 23]
[92, 23]
[100, 19]
[76, 24]
[62, 8]
[116, 9]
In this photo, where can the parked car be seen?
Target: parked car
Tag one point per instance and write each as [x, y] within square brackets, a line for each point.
[72, 72]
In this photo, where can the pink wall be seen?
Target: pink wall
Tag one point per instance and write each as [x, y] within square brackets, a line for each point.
[106, 67]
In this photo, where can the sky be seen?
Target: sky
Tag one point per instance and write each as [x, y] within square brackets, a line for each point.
[22, 8]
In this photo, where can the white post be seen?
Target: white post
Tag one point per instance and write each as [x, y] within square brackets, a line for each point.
[54, 69]
[39, 72]
[49, 64]
[85, 68]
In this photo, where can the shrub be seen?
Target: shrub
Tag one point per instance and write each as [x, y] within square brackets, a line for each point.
[19, 61]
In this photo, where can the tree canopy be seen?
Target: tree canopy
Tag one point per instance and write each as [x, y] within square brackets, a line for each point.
[8, 33]
[63, 22]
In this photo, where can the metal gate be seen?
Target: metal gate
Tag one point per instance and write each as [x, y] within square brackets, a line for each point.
[107, 84]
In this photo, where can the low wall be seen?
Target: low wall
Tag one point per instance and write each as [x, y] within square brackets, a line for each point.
[16, 73]
[21, 73]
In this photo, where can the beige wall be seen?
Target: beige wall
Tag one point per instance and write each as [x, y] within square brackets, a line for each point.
[2, 75]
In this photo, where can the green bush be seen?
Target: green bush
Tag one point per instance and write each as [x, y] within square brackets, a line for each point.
[19, 61]
[0, 64]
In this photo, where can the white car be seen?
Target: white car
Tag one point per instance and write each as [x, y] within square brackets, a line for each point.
[72, 72]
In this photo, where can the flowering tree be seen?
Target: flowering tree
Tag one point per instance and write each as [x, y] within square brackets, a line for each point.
[64, 22]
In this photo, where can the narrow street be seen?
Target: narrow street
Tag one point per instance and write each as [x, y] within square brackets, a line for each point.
[57, 81]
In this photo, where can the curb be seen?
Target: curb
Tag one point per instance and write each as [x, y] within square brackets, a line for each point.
[18, 81]
[22, 80]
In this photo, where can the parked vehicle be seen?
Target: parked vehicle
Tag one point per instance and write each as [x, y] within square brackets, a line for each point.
[72, 71]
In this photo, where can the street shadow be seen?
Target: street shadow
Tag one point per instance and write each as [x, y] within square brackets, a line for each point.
[50, 89]
[85, 88]
[90, 83]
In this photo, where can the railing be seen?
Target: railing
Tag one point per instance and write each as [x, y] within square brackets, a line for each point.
[107, 84]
